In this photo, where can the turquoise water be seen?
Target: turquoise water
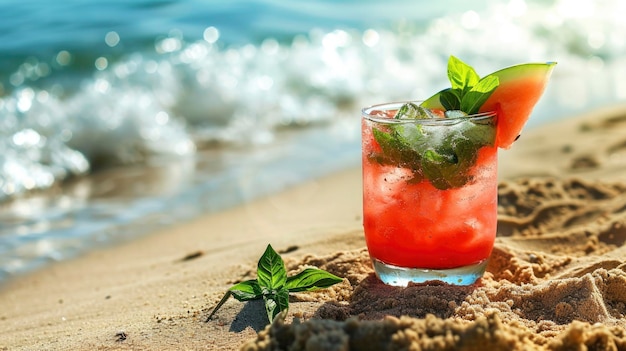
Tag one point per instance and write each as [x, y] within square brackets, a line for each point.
[120, 117]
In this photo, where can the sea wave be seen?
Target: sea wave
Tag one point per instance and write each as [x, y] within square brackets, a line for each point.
[189, 94]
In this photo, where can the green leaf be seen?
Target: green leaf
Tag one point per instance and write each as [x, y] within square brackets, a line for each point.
[248, 290]
[311, 279]
[461, 75]
[271, 273]
[447, 168]
[448, 164]
[395, 149]
[244, 291]
[415, 137]
[434, 102]
[476, 97]
[468, 92]
[450, 100]
[442, 154]
[273, 286]
[439, 168]
[276, 302]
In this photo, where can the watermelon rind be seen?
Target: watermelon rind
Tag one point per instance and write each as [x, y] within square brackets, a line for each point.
[539, 72]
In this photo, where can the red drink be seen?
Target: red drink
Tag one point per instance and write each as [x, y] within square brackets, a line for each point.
[429, 195]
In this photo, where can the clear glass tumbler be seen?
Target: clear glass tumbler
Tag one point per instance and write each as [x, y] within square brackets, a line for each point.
[429, 195]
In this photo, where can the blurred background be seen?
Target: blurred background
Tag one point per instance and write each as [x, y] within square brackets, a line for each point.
[119, 117]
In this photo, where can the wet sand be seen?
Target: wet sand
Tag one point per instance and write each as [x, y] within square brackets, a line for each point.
[556, 280]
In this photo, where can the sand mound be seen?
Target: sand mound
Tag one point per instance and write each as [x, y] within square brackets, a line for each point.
[556, 281]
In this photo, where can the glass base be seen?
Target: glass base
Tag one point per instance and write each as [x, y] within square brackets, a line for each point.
[399, 276]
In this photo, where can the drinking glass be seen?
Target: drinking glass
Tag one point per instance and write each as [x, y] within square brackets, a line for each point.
[429, 195]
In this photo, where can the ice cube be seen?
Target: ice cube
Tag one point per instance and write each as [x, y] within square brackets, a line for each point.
[454, 114]
[413, 111]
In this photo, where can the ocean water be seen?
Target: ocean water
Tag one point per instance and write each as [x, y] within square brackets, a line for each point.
[121, 117]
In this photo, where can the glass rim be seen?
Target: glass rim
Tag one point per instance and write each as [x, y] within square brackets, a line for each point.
[366, 113]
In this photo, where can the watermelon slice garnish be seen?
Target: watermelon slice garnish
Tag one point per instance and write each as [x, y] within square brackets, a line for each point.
[514, 98]
[520, 88]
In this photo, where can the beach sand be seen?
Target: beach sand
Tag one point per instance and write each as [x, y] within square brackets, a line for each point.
[556, 279]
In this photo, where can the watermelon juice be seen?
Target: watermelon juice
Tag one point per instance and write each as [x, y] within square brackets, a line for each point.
[429, 194]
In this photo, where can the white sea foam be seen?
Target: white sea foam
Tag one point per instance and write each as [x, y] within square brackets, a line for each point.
[186, 93]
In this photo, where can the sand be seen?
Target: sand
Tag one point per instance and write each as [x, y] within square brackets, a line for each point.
[556, 280]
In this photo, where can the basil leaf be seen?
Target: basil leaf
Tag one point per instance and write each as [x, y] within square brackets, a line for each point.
[449, 100]
[476, 97]
[440, 169]
[276, 302]
[461, 75]
[468, 92]
[311, 279]
[448, 168]
[414, 136]
[397, 151]
[442, 154]
[447, 163]
[245, 291]
[271, 273]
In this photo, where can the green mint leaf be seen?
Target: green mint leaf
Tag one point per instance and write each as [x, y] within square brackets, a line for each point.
[386, 141]
[396, 149]
[247, 290]
[442, 154]
[440, 168]
[445, 157]
[449, 100]
[413, 136]
[311, 279]
[244, 291]
[461, 75]
[271, 273]
[468, 92]
[476, 97]
[276, 302]
[447, 164]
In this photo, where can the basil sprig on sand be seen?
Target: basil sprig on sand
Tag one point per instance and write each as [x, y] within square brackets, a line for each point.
[273, 286]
